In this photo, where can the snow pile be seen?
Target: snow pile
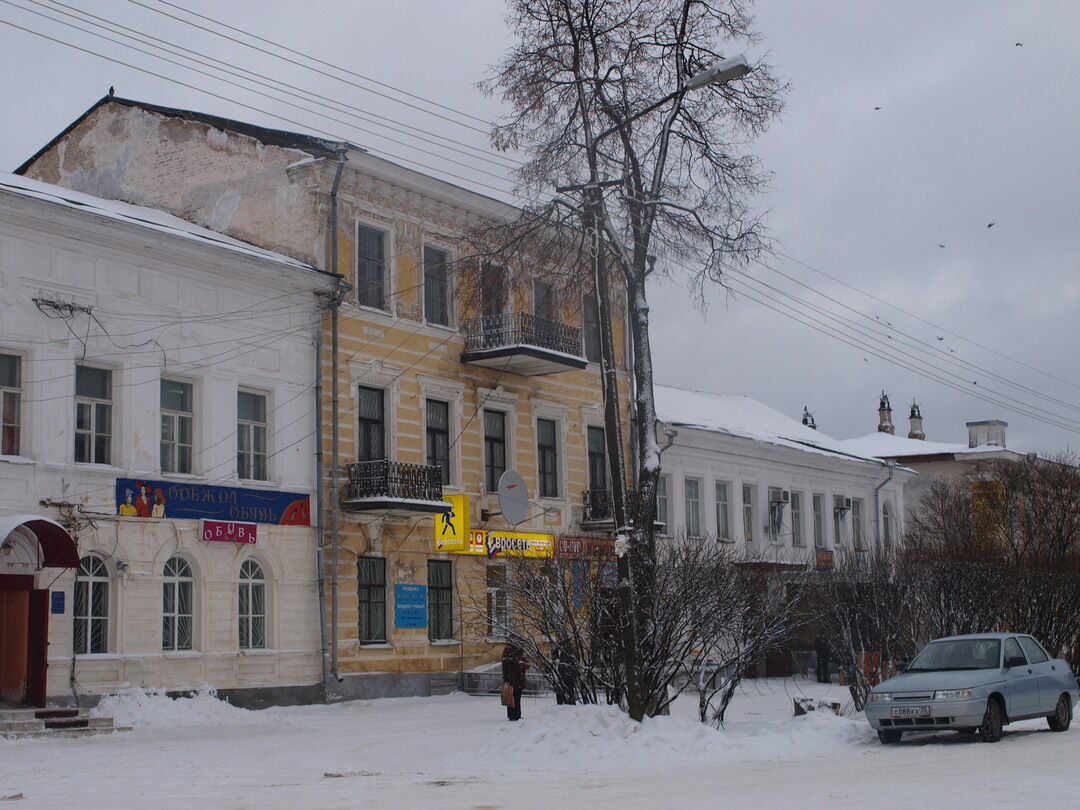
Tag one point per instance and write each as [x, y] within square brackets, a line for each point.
[587, 737]
[155, 709]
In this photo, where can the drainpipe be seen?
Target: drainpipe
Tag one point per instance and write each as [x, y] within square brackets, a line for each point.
[890, 466]
[335, 498]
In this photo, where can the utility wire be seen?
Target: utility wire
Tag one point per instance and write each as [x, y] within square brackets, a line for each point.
[277, 99]
[459, 114]
[256, 78]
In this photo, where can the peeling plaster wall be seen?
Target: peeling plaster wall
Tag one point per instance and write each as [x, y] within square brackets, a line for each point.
[224, 181]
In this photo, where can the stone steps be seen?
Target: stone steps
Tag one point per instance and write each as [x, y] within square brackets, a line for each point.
[54, 722]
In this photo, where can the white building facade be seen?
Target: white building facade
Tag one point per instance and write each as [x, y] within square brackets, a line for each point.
[738, 472]
[159, 403]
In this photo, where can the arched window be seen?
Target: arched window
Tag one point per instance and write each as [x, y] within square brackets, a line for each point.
[252, 606]
[91, 611]
[176, 605]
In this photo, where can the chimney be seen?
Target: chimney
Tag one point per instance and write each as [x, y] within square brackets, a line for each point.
[915, 418]
[808, 418]
[885, 424]
[989, 432]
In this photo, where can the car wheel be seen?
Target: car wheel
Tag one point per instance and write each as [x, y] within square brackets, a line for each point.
[1062, 716]
[888, 736]
[990, 730]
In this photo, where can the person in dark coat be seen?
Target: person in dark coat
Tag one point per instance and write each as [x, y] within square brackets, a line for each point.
[821, 647]
[513, 673]
[562, 657]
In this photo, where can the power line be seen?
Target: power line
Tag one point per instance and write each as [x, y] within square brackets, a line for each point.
[930, 323]
[459, 113]
[251, 76]
[267, 96]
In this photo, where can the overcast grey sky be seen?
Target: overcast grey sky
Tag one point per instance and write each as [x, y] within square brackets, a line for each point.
[910, 127]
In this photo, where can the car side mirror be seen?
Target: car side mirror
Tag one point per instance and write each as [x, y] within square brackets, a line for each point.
[1015, 661]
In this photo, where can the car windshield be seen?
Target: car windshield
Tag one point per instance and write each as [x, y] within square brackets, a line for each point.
[967, 653]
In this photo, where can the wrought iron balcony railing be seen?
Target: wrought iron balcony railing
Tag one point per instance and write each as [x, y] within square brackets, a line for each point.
[598, 506]
[520, 328]
[385, 481]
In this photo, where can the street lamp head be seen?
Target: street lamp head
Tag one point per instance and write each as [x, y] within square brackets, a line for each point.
[722, 72]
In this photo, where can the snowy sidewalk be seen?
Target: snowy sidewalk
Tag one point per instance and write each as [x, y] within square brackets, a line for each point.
[459, 751]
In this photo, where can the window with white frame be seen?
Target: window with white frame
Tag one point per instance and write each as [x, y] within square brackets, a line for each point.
[841, 505]
[93, 415]
[543, 300]
[177, 594]
[251, 435]
[436, 286]
[547, 455]
[438, 436]
[692, 506]
[252, 606]
[91, 609]
[886, 526]
[819, 520]
[493, 290]
[597, 455]
[496, 600]
[494, 448]
[370, 267]
[440, 600]
[796, 519]
[723, 510]
[10, 404]
[857, 539]
[176, 426]
[371, 599]
[776, 513]
[662, 506]
[371, 424]
[749, 513]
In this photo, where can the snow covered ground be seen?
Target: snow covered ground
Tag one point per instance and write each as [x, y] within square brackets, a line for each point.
[460, 752]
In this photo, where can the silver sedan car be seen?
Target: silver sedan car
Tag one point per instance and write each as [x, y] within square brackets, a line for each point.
[974, 683]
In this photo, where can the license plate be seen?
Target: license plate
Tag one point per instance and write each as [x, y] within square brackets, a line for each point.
[911, 711]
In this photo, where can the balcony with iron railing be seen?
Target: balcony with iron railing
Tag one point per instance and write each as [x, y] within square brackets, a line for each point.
[522, 343]
[393, 486]
[599, 510]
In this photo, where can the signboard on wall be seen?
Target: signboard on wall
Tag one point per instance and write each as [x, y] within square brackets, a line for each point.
[142, 497]
[523, 544]
[222, 531]
[452, 528]
[410, 606]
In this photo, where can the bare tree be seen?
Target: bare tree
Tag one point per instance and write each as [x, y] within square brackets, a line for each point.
[606, 100]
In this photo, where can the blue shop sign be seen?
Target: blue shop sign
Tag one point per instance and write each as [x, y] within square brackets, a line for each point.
[141, 497]
[57, 603]
[410, 606]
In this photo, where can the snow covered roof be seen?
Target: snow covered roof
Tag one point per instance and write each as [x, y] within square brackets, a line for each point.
[149, 218]
[887, 445]
[746, 418]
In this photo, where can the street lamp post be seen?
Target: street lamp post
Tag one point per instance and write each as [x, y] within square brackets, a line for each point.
[721, 72]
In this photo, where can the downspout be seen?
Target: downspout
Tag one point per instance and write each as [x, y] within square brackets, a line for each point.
[335, 498]
[890, 465]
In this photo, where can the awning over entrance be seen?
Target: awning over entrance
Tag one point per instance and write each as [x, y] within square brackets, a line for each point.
[34, 539]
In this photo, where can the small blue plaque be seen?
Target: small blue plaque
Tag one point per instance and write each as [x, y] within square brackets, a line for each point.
[410, 606]
[57, 602]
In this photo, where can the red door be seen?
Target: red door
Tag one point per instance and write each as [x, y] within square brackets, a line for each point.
[37, 647]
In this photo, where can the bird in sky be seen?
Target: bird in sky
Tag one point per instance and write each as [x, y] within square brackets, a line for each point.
[940, 245]
[877, 108]
[1019, 44]
[991, 225]
[939, 337]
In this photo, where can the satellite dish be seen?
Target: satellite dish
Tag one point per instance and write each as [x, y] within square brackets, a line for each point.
[513, 499]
